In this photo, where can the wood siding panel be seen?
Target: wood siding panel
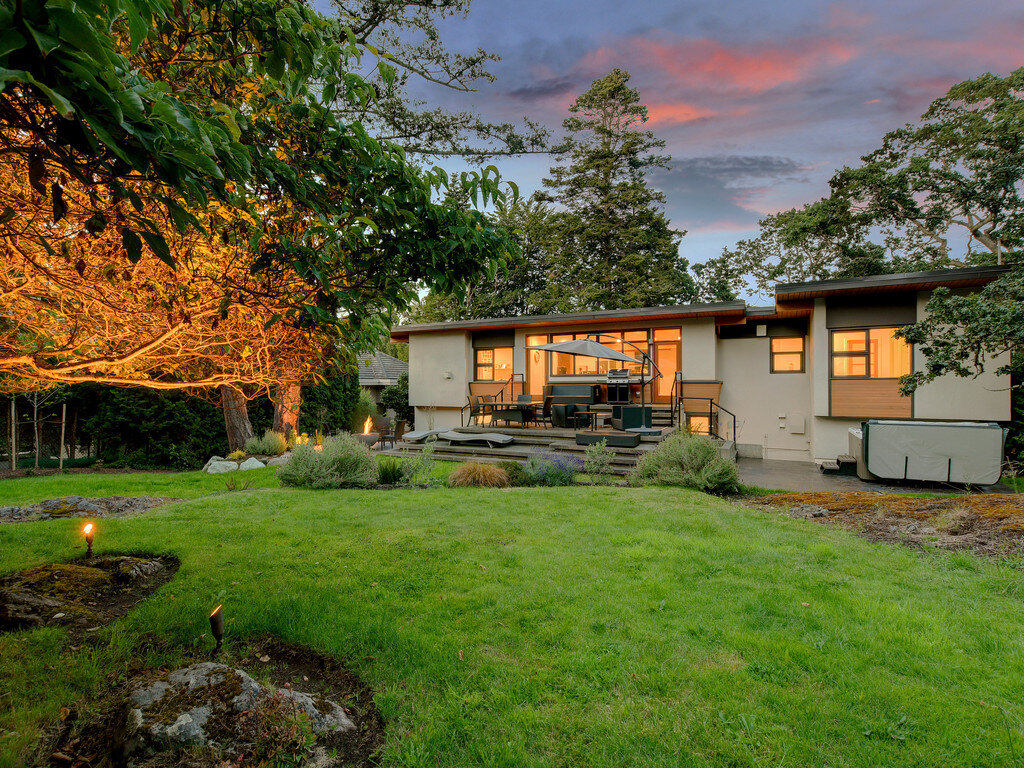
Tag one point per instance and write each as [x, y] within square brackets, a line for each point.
[869, 399]
[702, 390]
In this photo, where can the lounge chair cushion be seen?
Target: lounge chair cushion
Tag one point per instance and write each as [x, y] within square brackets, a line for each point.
[491, 438]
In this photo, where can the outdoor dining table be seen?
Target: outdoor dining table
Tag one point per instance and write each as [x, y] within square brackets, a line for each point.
[526, 410]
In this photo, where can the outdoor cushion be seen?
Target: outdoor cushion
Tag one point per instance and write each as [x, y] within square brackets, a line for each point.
[612, 439]
[491, 438]
[420, 435]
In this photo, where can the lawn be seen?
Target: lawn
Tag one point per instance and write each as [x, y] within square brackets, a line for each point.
[560, 627]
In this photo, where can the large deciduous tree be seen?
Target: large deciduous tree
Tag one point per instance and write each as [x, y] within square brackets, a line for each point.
[180, 205]
[947, 191]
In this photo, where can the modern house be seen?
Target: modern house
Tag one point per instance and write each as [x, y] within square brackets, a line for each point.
[785, 381]
[379, 370]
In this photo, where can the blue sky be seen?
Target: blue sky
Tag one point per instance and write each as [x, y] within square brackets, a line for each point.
[759, 102]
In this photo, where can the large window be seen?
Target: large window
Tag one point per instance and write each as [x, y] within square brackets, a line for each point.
[493, 364]
[787, 354]
[577, 365]
[870, 353]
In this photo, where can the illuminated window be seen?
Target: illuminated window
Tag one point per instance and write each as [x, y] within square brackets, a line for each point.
[493, 364]
[788, 354]
[873, 353]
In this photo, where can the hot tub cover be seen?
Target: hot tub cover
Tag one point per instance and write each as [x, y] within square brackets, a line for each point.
[936, 451]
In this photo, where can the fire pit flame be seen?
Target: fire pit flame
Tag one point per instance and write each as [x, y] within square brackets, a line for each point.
[367, 425]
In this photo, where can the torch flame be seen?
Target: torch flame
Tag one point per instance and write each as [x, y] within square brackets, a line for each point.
[367, 425]
[216, 610]
[88, 529]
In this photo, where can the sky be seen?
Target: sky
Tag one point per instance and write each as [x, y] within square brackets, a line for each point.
[759, 102]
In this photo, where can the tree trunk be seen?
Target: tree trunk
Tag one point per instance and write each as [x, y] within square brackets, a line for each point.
[287, 402]
[236, 417]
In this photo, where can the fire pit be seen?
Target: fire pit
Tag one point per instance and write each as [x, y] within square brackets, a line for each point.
[367, 437]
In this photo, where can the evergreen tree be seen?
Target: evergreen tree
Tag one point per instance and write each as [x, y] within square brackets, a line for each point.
[615, 247]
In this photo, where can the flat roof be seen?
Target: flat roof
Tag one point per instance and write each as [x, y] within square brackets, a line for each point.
[903, 281]
[401, 332]
[786, 293]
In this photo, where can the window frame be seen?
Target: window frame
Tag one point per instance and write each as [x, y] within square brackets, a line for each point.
[493, 365]
[865, 353]
[803, 354]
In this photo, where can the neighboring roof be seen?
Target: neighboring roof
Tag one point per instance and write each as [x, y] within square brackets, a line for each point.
[401, 332]
[905, 281]
[379, 369]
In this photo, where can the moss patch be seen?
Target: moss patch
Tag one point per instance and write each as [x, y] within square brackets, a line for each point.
[82, 595]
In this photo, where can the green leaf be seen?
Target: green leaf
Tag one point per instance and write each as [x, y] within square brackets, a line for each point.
[132, 244]
[158, 245]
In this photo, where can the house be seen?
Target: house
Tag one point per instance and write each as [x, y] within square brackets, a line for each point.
[378, 370]
[785, 381]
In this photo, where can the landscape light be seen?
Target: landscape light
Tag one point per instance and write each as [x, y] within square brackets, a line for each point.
[89, 531]
[217, 626]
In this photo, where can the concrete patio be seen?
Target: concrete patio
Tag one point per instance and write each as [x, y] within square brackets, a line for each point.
[805, 476]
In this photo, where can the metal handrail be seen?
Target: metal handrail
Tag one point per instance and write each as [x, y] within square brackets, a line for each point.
[511, 379]
[714, 409]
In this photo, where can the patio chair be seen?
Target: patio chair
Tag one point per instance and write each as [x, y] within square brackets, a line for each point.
[388, 435]
[478, 407]
[529, 414]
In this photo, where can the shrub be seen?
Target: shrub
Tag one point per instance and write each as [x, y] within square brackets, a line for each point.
[597, 461]
[421, 466]
[342, 462]
[391, 470]
[518, 477]
[553, 469]
[271, 444]
[477, 473]
[691, 461]
[236, 455]
[396, 397]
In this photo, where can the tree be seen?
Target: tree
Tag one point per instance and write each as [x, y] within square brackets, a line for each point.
[396, 398]
[412, 53]
[615, 246]
[310, 229]
[518, 286]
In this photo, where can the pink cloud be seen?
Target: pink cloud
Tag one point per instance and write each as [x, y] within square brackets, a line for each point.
[669, 113]
[710, 64]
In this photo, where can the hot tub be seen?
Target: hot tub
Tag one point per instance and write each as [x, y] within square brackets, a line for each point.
[933, 451]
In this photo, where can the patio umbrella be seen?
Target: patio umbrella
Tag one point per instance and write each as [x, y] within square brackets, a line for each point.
[590, 348]
[586, 348]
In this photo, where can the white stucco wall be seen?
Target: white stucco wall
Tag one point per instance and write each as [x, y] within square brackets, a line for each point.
[771, 408]
[700, 356]
[985, 398]
[439, 366]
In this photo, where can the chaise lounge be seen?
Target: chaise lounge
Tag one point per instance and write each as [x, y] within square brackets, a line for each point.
[492, 439]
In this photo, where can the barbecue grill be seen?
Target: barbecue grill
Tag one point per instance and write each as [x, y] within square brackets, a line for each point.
[617, 381]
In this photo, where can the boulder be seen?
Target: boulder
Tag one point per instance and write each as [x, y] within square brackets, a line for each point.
[219, 467]
[251, 463]
[212, 705]
[210, 461]
[279, 461]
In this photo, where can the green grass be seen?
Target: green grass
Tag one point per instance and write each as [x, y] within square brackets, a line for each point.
[597, 626]
[1017, 483]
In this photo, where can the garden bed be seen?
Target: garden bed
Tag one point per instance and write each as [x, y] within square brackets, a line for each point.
[83, 595]
[985, 524]
[101, 731]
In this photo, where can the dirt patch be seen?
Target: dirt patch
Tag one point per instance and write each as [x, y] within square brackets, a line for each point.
[83, 595]
[92, 735]
[81, 506]
[985, 524]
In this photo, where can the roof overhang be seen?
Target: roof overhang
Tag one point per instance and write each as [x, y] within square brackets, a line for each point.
[679, 312]
[969, 277]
